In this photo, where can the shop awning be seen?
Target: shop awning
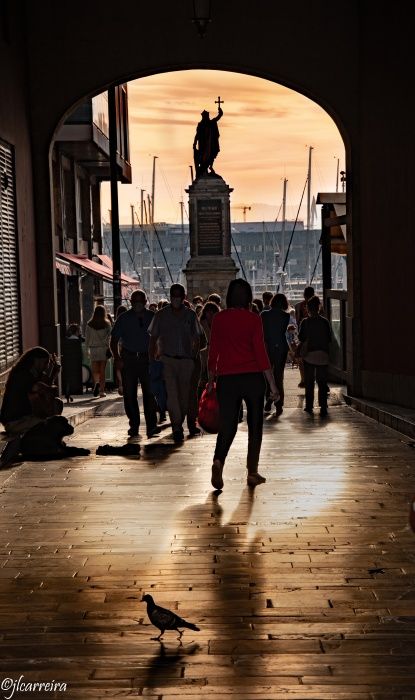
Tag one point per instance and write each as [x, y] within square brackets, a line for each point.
[94, 268]
[63, 267]
[84, 263]
[126, 279]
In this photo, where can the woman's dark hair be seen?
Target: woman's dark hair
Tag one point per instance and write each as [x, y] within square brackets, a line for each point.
[121, 309]
[99, 318]
[239, 294]
[209, 306]
[313, 304]
[259, 303]
[279, 301]
[26, 360]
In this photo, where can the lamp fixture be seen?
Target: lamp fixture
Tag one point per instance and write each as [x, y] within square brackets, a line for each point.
[201, 15]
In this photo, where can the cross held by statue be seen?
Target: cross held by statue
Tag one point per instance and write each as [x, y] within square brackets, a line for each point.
[219, 102]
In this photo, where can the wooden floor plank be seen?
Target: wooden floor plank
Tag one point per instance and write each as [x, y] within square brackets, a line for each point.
[302, 589]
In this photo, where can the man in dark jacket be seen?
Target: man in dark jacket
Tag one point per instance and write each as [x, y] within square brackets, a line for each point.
[315, 331]
[275, 322]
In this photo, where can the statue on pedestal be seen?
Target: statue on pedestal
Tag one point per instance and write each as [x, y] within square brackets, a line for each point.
[206, 142]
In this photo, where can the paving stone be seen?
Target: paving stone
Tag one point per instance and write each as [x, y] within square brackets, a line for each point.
[303, 588]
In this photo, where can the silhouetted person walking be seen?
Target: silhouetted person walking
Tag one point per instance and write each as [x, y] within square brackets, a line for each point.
[97, 338]
[175, 340]
[129, 346]
[275, 323]
[300, 314]
[315, 331]
[238, 358]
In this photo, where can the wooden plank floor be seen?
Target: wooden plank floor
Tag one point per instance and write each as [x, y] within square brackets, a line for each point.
[303, 588]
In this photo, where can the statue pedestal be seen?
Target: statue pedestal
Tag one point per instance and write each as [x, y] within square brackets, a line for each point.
[210, 268]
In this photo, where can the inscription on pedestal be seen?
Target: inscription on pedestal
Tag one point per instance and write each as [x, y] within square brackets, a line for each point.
[209, 227]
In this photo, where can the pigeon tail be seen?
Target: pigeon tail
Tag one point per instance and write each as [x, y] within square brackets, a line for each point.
[185, 623]
[189, 625]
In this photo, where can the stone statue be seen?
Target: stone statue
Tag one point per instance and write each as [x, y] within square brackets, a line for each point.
[206, 142]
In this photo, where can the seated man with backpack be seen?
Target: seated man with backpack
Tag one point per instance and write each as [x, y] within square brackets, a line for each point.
[30, 407]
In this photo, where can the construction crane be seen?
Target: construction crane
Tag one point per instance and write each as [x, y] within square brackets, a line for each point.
[245, 209]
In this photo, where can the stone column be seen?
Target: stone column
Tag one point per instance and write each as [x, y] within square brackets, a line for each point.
[210, 267]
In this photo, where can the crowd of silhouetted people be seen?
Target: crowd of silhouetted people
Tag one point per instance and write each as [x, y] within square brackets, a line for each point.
[175, 350]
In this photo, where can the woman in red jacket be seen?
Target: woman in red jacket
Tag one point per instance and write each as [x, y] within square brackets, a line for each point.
[239, 360]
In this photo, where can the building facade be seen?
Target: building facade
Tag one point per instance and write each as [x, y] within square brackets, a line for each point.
[80, 162]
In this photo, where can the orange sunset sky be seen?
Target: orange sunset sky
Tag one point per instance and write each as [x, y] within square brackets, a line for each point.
[264, 136]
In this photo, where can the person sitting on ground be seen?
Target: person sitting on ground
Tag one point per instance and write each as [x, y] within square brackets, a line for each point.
[266, 298]
[97, 337]
[30, 397]
[31, 394]
[239, 360]
[315, 331]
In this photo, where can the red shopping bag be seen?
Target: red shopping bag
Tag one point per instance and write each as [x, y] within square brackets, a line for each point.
[208, 415]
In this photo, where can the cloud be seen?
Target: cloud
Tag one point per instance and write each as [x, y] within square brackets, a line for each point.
[264, 136]
[153, 121]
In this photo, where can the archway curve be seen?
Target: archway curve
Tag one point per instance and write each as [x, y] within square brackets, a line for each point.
[241, 70]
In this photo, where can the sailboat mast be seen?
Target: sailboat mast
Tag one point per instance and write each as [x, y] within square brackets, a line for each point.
[133, 233]
[264, 254]
[141, 236]
[151, 246]
[284, 216]
[183, 241]
[153, 187]
[310, 150]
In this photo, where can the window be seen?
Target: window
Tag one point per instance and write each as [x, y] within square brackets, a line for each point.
[10, 335]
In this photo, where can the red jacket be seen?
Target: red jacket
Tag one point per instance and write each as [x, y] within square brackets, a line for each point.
[237, 343]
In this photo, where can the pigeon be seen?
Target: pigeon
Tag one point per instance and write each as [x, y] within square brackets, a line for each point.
[166, 619]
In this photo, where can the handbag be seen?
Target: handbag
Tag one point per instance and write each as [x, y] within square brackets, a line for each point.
[208, 413]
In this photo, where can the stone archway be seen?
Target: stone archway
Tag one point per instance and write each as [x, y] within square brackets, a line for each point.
[250, 82]
[89, 70]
